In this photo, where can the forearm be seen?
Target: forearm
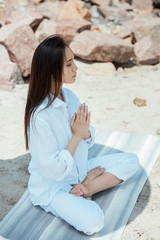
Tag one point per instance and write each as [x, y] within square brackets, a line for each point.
[73, 144]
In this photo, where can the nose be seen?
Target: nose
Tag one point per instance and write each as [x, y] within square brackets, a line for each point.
[75, 67]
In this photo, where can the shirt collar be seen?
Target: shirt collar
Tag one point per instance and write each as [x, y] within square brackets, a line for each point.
[58, 102]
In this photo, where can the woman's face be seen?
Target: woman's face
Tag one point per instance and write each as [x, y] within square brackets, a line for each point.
[69, 70]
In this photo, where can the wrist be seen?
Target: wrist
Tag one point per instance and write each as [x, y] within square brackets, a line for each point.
[88, 135]
[77, 137]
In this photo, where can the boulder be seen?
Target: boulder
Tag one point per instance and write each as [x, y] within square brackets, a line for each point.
[28, 16]
[140, 28]
[97, 2]
[46, 28]
[9, 71]
[126, 1]
[101, 69]
[69, 28]
[35, 1]
[75, 9]
[20, 42]
[51, 10]
[142, 4]
[146, 52]
[103, 47]
[150, 29]
[156, 3]
[16, 3]
[100, 2]
[114, 13]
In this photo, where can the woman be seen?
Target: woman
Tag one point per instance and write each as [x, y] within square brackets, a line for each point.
[58, 134]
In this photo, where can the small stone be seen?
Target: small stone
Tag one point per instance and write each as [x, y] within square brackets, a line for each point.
[139, 102]
[158, 131]
[120, 70]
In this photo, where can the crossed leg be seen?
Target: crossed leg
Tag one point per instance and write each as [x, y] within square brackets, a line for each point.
[113, 170]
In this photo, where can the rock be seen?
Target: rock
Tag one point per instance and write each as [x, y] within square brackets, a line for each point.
[120, 70]
[51, 10]
[27, 16]
[100, 2]
[46, 28]
[151, 29]
[139, 102]
[20, 42]
[100, 69]
[124, 33]
[36, 1]
[16, 3]
[127, 7]
[69, 28]
[95, 28]
[156, 11]
[4, 57]
[156, 3]
[114, 12]
[128, 39]
[75, 9]
[9, 71]
[146, 52]
[126, 1]
[129, 27]
[140, 28]
[103, 47]
[142, 4]
[158, 131]
[104, 69]
[94, 12]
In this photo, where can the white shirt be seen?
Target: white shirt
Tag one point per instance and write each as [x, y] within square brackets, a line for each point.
[52, 167]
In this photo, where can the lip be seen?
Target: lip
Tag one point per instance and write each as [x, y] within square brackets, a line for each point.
[74, 76]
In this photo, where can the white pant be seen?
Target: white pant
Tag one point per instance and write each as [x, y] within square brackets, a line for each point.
[86, 215]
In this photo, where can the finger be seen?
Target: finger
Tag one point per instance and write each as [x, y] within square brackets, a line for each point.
[88, 116]
[79, 111]
[98, 167]
[103, 169]
[73, 118]
[86, 112]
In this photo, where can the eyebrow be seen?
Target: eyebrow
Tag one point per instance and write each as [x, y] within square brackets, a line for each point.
[70, 59]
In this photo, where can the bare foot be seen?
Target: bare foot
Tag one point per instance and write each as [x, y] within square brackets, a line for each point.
[93, 173]
[79, 190]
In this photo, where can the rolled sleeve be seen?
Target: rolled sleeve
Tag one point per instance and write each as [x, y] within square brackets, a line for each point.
[90, 141]
[64, 160]
[52, 162]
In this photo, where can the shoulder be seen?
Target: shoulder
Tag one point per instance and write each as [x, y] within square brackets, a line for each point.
[71, 95]
[38, 113]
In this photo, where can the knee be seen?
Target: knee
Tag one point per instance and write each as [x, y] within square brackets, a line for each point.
[134, 160]
[92, 224]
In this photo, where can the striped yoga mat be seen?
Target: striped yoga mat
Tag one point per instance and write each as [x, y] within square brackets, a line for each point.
[26, 222]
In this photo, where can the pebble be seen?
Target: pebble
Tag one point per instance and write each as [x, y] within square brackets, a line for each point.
[139, 102]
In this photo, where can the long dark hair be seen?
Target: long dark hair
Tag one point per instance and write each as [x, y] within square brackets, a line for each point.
[46, 69]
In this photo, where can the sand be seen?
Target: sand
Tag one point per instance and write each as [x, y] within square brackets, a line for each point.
[110, 99]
